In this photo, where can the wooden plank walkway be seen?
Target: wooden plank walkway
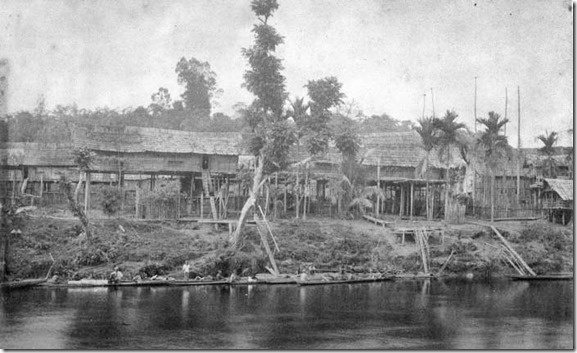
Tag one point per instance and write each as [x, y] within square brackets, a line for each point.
[403, 232]
[379, 222]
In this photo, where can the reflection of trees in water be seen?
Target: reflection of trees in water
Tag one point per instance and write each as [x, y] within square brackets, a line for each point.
[412, 314]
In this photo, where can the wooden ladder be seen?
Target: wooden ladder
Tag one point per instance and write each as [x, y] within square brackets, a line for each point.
[208, 189]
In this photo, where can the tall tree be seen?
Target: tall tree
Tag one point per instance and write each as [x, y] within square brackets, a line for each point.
[495, 146]
[348, 142]
[83, 158]
[271, 135]
[447, 139]
[548, 150]
[324, 94]
[161, 101]
[428, 131]
[384, 123]
[199, 85]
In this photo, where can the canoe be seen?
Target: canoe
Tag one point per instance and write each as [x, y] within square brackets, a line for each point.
[104, 283]
[22, 284]
[264, 281]
[195, 283]
[551, 277]
[27, 283]
[345, 281]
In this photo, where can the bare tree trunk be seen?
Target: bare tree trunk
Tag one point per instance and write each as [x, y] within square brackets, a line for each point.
[78, 186]
[297, 192]
[447, 184]
[492, 195]
[76, 210]
[305, 195]
[256, 185]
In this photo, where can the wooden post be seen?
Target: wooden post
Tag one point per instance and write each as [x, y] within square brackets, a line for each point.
[275, 208]
[137, 200]
[41, 185]
[87, 193]
[285, 197]
[202, 205]
[13, 187]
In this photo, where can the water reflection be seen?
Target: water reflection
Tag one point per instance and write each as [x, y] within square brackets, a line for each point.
[426, 314]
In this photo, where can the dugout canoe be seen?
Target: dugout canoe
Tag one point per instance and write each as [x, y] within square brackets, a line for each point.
[348, 281]
[551, 277]
[196, 283]
[27, 283]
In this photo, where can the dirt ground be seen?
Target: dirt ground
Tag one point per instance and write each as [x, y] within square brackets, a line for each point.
[160, 248]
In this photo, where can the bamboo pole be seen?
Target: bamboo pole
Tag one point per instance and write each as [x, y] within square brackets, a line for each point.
[515, 254]
[518, 145]
[433, 101]
[475, 108]
[266, 246]
[275, 206]
[269, 229]
[446, 262]
[378, 186]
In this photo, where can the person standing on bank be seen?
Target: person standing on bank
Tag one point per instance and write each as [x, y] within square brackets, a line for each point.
[186, 270]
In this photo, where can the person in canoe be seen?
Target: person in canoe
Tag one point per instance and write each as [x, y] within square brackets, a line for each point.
[115, 276]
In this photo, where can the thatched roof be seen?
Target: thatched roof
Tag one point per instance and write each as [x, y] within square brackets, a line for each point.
[39, 154]
[132, 139]
[534, 157]
[563, 187]
[387, 149]
[402, 149]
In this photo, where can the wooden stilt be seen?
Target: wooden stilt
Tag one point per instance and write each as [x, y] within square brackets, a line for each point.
[412, 199]
[401, 202]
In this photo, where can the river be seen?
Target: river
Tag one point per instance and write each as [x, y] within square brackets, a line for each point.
[387, 315]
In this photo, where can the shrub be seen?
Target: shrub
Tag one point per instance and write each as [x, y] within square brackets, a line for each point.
[545, 234]
[110, 199]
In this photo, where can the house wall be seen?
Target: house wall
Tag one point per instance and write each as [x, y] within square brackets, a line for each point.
[400, 172]
[141, 163]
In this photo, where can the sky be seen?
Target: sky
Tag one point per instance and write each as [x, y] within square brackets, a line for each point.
[387, 54]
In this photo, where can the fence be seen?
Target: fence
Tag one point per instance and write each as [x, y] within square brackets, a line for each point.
[503, 212]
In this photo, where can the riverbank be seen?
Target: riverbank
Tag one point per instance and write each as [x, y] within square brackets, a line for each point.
[147, 249]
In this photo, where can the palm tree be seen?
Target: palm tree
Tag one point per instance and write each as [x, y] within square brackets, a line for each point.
[299, 112]
[569, 156]
[495, 147]
[549, 139]
[429, 134]
[447, 139]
